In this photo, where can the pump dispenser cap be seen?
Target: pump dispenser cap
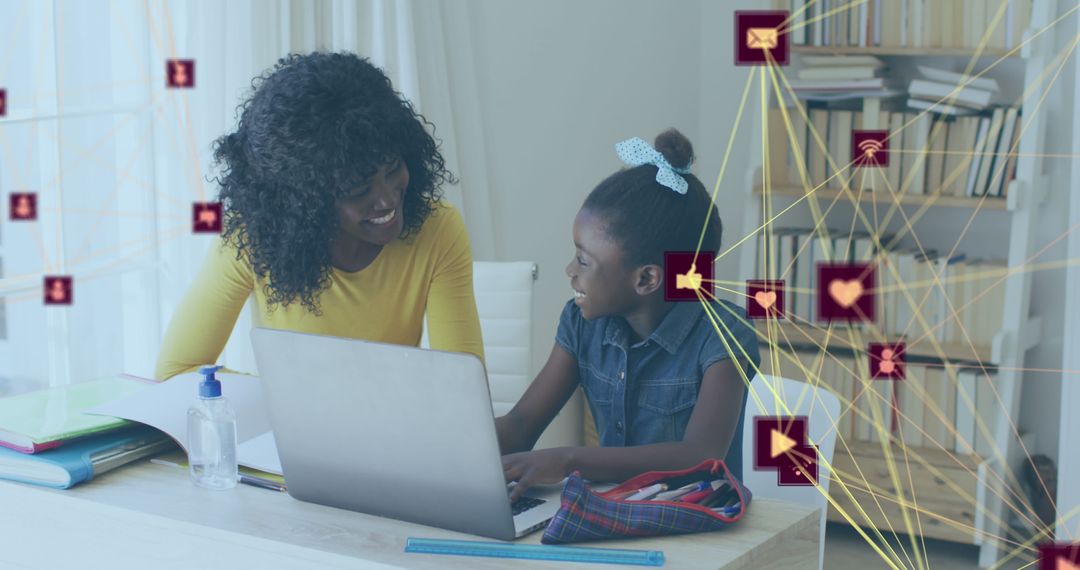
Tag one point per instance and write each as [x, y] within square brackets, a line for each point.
[210, 387]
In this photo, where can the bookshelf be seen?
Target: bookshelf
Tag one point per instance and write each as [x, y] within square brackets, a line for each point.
[810, 337]
[933, 200]
[907, 52]
[959, 493]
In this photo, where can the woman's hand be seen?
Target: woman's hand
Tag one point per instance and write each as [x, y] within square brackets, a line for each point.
[529, 468]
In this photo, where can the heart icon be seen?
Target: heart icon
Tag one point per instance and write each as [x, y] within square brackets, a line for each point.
[845, 293]
[765, 298]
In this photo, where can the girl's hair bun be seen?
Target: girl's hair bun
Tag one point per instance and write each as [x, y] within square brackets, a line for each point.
[675, 147]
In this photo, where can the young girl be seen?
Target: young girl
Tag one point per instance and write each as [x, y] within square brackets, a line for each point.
[665, 390]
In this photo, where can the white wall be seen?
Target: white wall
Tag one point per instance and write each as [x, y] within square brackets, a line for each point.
[559, 83]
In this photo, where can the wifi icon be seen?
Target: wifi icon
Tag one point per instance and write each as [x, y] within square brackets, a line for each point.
[870, 148]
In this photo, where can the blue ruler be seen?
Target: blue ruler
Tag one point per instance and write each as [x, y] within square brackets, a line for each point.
[535, 551]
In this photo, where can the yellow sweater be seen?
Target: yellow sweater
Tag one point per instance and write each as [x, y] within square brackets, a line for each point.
[383, 302]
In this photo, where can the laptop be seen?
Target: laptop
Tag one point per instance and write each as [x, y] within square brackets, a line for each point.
[391, 430]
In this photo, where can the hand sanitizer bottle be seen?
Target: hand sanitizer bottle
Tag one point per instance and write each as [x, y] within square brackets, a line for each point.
[212, 436]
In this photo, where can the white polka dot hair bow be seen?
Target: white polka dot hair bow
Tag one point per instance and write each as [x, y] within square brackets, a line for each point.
[636, 152]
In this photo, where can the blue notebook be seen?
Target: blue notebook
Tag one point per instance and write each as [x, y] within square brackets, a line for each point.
[84, 458]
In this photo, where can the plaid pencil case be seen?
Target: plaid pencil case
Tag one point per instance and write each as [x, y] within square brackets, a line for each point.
[703, 498]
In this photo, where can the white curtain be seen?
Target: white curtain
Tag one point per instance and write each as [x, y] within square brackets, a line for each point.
[117, 159]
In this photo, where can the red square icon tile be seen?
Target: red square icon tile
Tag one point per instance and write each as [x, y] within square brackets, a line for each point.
[180, 73]
[686, 275]
[845, 292]
[59, 290]
[22, 206]
[870, 148]
[761, 36]
[206, 217]
[1059, 556]
[3, 102]
[801, 468]
[887, 361]
[765, 298]
[774, 436]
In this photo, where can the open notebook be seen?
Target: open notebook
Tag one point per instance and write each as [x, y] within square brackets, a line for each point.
[164, 406]
[84, 458]
[41, 420]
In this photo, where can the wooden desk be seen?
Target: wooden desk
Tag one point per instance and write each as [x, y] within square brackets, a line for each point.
[149, 515]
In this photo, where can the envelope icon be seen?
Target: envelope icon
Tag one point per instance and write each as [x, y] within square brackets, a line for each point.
[761, 38]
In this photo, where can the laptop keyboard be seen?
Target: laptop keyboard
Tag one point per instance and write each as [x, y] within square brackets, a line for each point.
[525, 503]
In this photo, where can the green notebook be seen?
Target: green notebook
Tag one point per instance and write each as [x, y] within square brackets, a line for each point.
[44, 419]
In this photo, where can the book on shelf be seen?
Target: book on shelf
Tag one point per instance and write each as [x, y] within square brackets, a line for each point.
[965, 412]
[985, 156]
[934, 154]
[840, 124]
[935, 159]
[959, 79]
[949, 93]
[912, 286]
[947, 24]
[935, 406]
[911, 393]
[988, 410]
[831, 85]
[913, 153]
[939, 107]
[836, 73]
[1006, 149]
[822, 61]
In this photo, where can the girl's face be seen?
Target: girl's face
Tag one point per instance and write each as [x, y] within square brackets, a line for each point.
[373, 212]
[602, 284]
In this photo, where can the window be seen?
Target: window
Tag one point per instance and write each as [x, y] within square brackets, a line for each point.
[80, 132]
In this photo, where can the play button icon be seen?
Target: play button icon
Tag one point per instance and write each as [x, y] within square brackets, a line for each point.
[782, 443]
[775, 437]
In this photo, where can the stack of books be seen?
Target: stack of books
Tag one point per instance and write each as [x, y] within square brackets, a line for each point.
[955, 300]
[827, 78]
[945, 24]
[948, 93]
[46, 439]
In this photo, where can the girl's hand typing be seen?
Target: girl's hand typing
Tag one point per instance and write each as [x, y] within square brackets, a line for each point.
[542, 467]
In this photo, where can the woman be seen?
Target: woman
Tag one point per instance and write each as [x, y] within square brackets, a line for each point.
[333, 217]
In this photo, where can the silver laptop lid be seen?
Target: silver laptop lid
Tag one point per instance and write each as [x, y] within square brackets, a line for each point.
[385, 429]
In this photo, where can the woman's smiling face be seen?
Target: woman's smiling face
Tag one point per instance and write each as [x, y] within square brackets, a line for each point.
[602, 283]
[374, 212]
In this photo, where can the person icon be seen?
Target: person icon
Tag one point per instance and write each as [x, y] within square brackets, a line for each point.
[24, 208]
[886, 365]
[180, 73]
[887, 361]
[57, 292]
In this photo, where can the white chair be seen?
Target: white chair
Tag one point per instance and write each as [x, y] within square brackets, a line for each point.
[821, 408]
[504, 302]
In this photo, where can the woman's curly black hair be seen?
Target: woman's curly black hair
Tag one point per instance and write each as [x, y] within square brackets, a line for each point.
[314, 127]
